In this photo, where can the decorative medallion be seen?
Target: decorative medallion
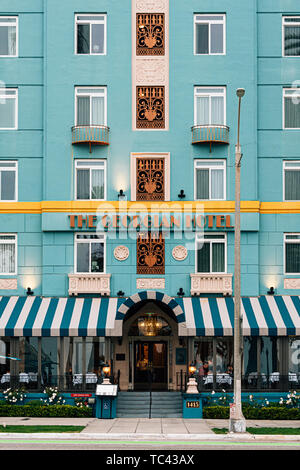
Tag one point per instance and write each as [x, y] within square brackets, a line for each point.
[150, 253]
[121, 253]
[179, 253]
[150, 112]
[150, 34]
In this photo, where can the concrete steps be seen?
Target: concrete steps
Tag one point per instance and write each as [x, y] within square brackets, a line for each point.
[146, 405]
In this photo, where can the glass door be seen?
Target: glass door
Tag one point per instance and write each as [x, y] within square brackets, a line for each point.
[150, 363]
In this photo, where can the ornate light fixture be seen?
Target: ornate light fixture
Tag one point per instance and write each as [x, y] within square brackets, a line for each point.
[149, 325]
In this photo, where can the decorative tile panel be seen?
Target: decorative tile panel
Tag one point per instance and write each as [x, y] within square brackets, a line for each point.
[150, 35]
[150, 253]
[150, 108]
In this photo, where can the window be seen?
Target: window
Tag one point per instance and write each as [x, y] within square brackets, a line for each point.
[291, 36]
[209, 34]
[8, 181]
[90, 182]
[8, 254]
[291, 108]
[8, 108]
[8, 36]
[90, 106]
[292, 253]
[150, 107]
[291, 183]
[90, 253]
[150, 253]
[210, 179]
[211, 253]
[90, 34]
[209, 106]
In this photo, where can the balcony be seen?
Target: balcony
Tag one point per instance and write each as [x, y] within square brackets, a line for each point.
[90, 283]
[210, 134]
[211, 284]
[92, 135]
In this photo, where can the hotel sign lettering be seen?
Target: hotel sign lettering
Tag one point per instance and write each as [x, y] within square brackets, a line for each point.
[153, 221]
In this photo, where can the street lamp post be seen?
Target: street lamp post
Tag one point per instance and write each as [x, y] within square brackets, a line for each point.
[237, 422]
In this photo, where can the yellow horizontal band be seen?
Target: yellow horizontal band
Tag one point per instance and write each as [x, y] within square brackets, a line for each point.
[147, 206]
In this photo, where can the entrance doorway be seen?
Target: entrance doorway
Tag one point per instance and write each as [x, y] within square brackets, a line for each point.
[150, 365]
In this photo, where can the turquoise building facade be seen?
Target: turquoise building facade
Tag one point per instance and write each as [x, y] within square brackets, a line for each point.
[53, 66]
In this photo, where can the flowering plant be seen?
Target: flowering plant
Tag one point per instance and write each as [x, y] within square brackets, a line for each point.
[81, 402]
[14, 396]
[53, 396]
[223, 399]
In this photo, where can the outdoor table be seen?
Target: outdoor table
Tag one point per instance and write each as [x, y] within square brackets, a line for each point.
[220, 379]
[254, 376]
[5, 378]
[274, 377]
[77, 379]
[32, 376]
[91, 378]
[23, 377]
[293, 377]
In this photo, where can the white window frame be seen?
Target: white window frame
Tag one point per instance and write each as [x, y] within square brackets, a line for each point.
[91, 22]
[87, 241]
[90, 95]
[285, 240]
[16, 18]
[297, 168]
[15, 169]
[210, 95]
[88, 166]
[209, 22]
[12, 242]
[200, 238]
[3, 96]
[197, 165]
[296, 96]
[283, 31]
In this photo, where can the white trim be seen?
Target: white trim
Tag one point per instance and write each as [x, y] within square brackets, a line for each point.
[91, 95]
[210, 167]
[16, 179]
[102, 239]
[283, 106]
[209, 95]
[165, 155]
[297, 168]
[91, 22]
[10, 97]
[283, 35]
[200, 238]
[284, 257]
[17, 35]
[15, 243]
[210, 22]
[89, 165]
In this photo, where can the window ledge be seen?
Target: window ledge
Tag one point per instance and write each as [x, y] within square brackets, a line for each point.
[89, 283]
[206, 283]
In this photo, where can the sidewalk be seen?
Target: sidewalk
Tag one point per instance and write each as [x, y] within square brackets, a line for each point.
[133, 429]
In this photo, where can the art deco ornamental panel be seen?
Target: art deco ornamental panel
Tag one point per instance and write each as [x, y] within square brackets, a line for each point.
[150, 28]
[150, 179]
[150, 253]
[150, 112]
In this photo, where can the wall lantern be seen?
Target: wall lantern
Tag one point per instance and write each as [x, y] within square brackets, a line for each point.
[29, 291]
[271, 291]
[181, 195]
[180, 293]
[121, 195]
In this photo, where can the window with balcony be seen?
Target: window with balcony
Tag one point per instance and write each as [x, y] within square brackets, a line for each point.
[89, 253]
[8, 180]
[8, 36]
[90, 34]
[211, 253]
[8, 253]
[291, 175]
[209, 34]
[292, 253]
[291, 108]
[150, 107]
[291, 36]
[150, 253]
[210, 179]
[90, 179]
[8, 108]
[150, 28]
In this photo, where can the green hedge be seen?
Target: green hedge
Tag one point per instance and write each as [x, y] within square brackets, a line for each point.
[51, 411]
[267, 412]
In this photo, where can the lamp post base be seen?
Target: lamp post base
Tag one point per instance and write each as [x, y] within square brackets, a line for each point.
[237, 425]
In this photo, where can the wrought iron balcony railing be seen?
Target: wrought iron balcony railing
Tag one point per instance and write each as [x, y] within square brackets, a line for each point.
[92, 135]
[210, 134]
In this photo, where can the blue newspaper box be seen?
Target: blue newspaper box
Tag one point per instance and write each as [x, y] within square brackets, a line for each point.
[106, 401]
[192, 406]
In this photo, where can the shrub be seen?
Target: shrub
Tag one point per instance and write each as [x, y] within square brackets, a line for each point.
[272, 412]
[53, 411]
